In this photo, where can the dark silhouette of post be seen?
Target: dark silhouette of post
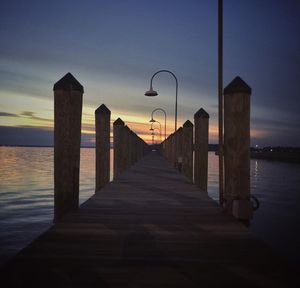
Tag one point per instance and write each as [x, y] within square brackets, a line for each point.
[132, 140]
[201, 119]
[237, 149]
[168, 148]
[179, 149]
[127, 147]
[102, 116]
[173, 160]
[220, 100]
[67, 133]
[118, 128]
[187, 150]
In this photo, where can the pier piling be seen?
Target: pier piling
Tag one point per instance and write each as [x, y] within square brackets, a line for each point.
[237, 149]
[119, 158]
[201, 119]
[67, 133]
[187, 150]
[102, 116]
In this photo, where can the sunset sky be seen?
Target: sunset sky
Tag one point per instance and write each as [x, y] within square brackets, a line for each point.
[113, 47]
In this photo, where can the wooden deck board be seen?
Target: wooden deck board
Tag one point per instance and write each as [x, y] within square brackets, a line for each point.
[149, 228]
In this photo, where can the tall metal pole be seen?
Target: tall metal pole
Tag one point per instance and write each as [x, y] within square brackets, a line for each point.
[156, 109]
[220, 90]
[159, 132]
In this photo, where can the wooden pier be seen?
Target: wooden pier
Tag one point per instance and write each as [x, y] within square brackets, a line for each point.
[148, 228]
[151, 226]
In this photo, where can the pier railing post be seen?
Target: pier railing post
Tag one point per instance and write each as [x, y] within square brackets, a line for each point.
[237, 149]
[179, 149]
[167, 147]
[201, 119]
[136, 145]
[187, 150]
[127, 147]
[173, 155]
[118, 137]
[133, 148]
[67, 133]
[102, 115]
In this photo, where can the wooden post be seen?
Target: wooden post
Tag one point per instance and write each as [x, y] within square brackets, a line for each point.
[170, 148]
[187, 150]
[179, 149]
[136, 145]
[173, 155]
[237, 149]
[201, 119]
[132, 147]
[67, 133]
[127, 148]
[175, 141]
[141, 148]
[167, 148]
[118, 128]
[102, 115]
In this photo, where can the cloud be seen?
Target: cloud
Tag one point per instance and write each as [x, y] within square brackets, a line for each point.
[31, 115]
[27, 113]
[4, 114]
[34, 136]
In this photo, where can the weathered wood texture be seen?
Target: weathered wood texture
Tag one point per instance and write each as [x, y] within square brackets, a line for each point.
[119, 145]
[67, 133]
[237, 148]
[102, 118]
[187, 149]
[201, 119]
[149, 228]
[179, 149]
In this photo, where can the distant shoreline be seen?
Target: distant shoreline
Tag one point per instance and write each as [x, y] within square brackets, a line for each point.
[39, 146]
[278, 154]
[289, 157]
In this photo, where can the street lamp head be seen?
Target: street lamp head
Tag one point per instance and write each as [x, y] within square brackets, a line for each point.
[152, 120]
[151, 129]
[151, 92]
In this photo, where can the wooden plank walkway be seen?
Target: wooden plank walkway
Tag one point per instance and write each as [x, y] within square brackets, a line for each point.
[150, 228]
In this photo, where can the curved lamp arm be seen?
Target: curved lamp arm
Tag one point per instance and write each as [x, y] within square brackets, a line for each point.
[160, 109]
[151, 89]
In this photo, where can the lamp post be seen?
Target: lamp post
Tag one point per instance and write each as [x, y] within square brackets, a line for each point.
[152, 92]
[152, 120]
[220, 100]
[152, 137]
[155, 128]
[155, 121]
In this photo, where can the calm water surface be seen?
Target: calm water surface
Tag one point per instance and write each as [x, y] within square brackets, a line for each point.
[26, 198]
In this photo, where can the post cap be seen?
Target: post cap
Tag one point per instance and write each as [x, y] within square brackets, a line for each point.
[201, 113]
[188, 123]
[119, 122]
[237, 85]
[102, 109]
[68, 83]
